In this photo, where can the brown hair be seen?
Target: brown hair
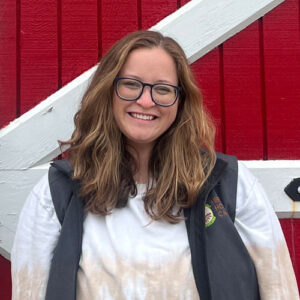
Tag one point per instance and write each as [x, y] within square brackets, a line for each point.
[182, 157]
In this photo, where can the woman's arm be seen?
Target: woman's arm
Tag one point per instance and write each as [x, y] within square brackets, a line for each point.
[37, 233]
[260, 231]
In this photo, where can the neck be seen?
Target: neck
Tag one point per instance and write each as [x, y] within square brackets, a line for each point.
[141, 154]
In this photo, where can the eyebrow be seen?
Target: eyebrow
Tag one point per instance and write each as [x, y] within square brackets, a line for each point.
[139, 78]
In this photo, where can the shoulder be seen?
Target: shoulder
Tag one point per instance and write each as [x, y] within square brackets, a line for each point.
[37, 219]
[256, 220]
[40, 196]
[246, 183]
[251, 201]
[38, 208]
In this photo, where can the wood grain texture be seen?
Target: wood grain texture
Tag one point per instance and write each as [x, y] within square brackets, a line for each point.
[242, 93]
[8, 43]
[282, 69]
[118, 19]
[154, 11]
[39, 65]
[207, 74]
[79, 37]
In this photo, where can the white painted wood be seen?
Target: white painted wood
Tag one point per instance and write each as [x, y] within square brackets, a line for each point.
[274, 177]
[32, 139]
[202, 25]
[16, 185]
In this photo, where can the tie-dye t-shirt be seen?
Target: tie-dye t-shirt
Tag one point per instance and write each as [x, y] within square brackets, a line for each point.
[126, 255]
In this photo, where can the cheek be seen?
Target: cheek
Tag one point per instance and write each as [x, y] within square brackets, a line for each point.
[173, 114]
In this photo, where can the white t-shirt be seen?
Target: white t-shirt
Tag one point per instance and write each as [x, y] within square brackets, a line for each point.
[127, 255]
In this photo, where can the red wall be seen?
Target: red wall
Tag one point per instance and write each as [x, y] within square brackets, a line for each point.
[250, 83]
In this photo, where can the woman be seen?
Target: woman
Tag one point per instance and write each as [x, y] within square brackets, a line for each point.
[142, 151]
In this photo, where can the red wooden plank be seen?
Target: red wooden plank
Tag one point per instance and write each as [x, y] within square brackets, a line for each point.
[296, 247]
[118, 19]
[207, 73]
[8, 96]
[242, 93]
[183, 2]
[282, 69]
[154, 11]
[5, 279]
[79, 37]
[291, 230]
[39, 67]
[288, 230]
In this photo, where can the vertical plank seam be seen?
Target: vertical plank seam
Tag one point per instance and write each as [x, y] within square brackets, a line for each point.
[59, 44]
[18, 58]
[263, 89]
[139, 13]
[222, 99]
[99, 28]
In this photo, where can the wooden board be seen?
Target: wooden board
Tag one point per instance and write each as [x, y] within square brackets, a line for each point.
[32, 139]
[117, 19]
[296, 247]
[242, 94]
[39, 61]
[207, 73]
[192, 25]
[8, 62]
[155, 10]
[282, 69]
[78, 40]
[291, 229]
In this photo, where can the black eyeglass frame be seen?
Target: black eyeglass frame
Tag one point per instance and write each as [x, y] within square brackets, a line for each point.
[177, 89]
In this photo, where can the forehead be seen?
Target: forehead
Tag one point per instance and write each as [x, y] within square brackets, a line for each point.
[150, 64]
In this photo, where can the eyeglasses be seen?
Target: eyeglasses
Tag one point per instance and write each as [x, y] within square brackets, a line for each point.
[162, 94]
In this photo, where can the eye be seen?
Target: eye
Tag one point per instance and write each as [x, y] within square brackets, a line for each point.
[163, 89]
[130, 84]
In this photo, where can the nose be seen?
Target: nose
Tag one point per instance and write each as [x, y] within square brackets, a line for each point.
[145, 100]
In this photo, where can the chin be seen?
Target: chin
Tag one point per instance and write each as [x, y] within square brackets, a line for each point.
[141, 141]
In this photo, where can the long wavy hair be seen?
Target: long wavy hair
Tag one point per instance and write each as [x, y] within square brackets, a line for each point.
[182, 157]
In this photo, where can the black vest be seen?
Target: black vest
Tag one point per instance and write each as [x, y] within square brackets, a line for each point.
[222, 267]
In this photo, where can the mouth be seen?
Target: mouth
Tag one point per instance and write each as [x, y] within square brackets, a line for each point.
[142, 116]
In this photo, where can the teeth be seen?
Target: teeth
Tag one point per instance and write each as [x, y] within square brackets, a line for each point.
[143, 117]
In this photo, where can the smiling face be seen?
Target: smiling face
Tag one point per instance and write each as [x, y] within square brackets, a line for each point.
[142, 121]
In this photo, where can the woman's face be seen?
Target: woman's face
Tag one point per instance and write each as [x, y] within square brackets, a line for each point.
[142, 121]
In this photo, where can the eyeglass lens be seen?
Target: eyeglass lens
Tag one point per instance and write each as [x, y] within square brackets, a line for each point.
[131, 89]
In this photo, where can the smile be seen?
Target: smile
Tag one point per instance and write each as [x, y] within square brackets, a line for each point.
[142, 117]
